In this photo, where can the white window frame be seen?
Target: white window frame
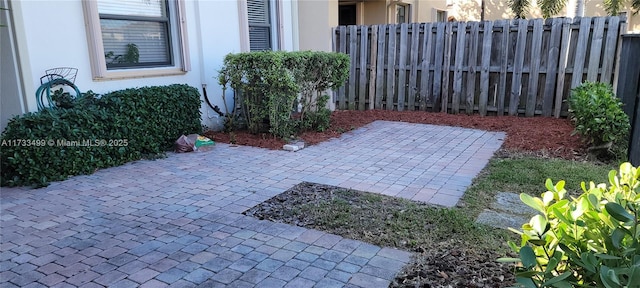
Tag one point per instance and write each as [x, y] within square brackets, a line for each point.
[435, 15]
[181, 63]
[407, 12]
[275, 14]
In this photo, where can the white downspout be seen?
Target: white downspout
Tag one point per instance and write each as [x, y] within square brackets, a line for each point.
[295, 30]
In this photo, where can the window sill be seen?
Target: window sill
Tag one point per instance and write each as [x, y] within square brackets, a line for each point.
[140, 73]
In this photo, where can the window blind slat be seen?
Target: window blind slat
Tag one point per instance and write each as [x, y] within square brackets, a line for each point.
[258, 11]
[259, 38]
[151, 8]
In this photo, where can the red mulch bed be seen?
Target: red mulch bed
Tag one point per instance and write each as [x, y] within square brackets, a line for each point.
[546, 135]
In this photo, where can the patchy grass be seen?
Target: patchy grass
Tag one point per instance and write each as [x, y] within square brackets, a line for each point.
[528, 175]
[390, 221]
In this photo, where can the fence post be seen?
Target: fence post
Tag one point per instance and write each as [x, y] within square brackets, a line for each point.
[628, 89]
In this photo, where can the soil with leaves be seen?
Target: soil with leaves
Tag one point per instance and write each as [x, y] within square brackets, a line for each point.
[542, 136]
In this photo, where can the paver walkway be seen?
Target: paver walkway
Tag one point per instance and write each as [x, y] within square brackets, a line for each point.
[177, 221]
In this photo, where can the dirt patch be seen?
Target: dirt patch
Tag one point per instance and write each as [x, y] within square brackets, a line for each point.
[549, 136]
[449, 249]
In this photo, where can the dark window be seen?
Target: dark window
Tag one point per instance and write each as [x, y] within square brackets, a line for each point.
[347, 14]
[441, 16]
[401, 13]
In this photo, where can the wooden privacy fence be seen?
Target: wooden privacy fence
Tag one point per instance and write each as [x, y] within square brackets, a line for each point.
[629, 91]
[503, 67]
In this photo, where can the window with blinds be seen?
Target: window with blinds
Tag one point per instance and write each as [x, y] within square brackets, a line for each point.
[135, 33]
[259, 25]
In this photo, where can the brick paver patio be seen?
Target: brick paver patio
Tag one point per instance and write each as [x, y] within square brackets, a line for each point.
[177, 221]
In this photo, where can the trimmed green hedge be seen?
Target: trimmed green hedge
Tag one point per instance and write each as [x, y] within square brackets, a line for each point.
[116, 128]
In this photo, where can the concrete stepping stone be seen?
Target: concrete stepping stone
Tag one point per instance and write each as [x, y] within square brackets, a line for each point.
[506, 211]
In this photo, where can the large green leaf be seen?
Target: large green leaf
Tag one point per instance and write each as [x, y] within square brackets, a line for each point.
[609, 278]
[617, 236]
[539, 224]
[532, 202]
[634, 276]
[526, 282]
[557, 279]
[618, 212]
[528, 257]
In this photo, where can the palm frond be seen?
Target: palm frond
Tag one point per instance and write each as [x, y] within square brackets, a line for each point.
[635, 6]
[550, 8]
[613, 7]
[520, 8]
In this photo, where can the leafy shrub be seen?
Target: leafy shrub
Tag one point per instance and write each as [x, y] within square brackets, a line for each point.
[315, 73]
[133, 123]
[318, 119]
[154, 116]
[589, 241]
[598, 116]
[268, 83]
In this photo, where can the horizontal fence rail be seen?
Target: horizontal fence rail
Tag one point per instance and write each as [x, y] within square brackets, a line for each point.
[504, 67]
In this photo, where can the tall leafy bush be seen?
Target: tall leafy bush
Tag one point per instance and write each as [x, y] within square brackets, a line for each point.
[589, 241]
[598, 116]
[269, 83]
[120, 126]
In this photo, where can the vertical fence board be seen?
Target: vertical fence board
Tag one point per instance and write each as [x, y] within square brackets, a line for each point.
[446, 67]
[516, 82]
[342, 91]
[504, 57]
[473, 62]
[621, 30]
[628, 90]
[362, 89]
[334, 47]
[441, 32]
[373, 68]
[581, 52]
[382, 31]
[391, 67]
[534, 68]
[596, 49]
[425, 66]
[412, 89]
[486, 62]
[353, 53]
[562, 65]
[608, 58]
[402, 66]
[552, 66]
[458, 65]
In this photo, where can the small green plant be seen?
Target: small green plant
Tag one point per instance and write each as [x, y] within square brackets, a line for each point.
[316, 73]
[589, 241]
[598, 116]
[318, 119]
[132, 55]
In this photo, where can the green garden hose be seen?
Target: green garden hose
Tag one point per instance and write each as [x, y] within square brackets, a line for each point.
[45, 90]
